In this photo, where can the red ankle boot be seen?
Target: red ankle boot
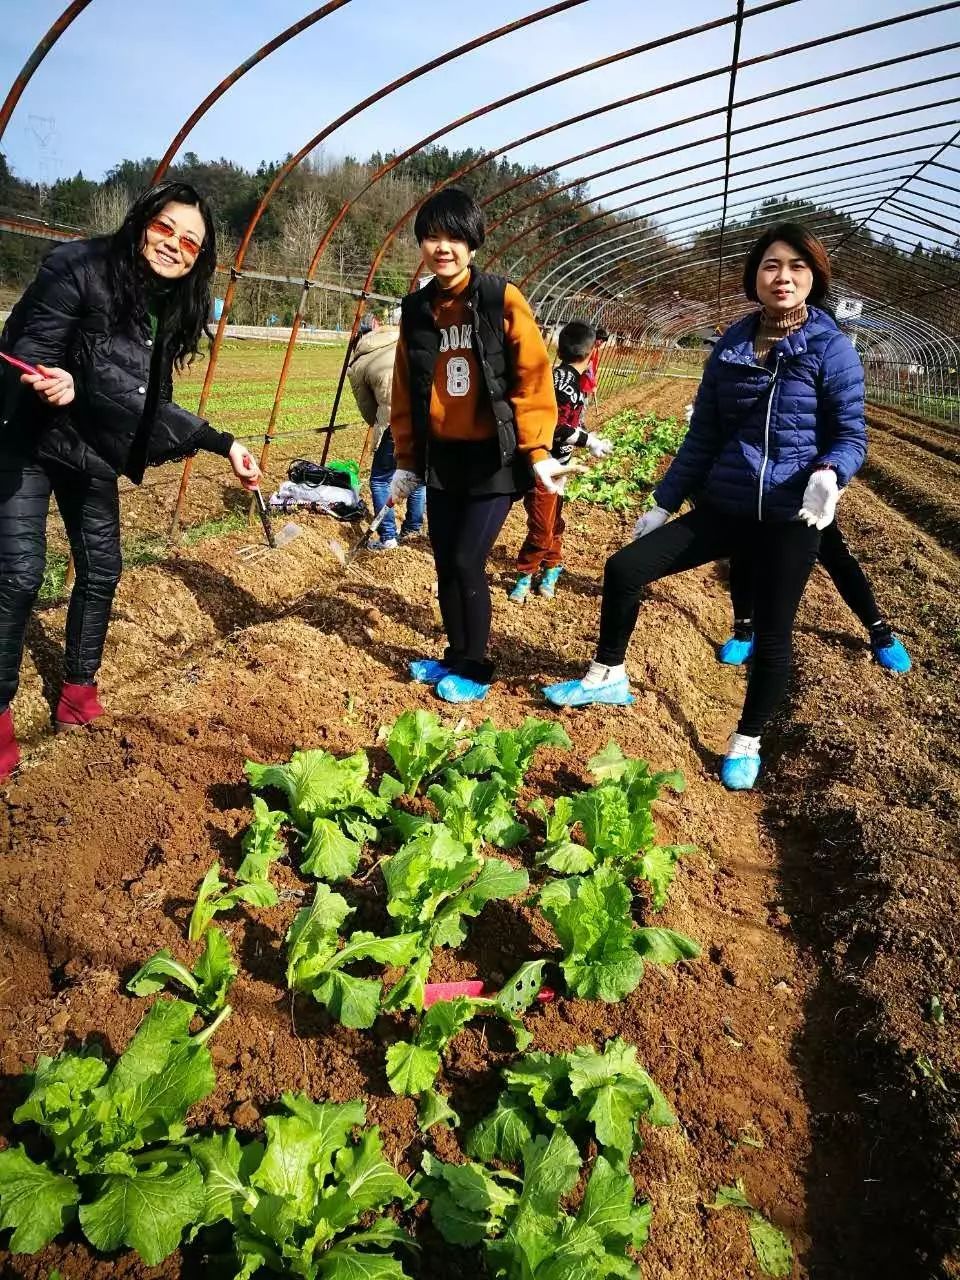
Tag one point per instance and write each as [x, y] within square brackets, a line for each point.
[9, 751]
[78, 705]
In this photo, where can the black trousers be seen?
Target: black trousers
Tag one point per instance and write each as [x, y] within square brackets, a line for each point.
[90, 508]
[840, 563]
[462, 531]
[783, 556]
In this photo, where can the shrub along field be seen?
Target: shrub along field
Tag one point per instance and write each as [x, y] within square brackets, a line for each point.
[690, 1040]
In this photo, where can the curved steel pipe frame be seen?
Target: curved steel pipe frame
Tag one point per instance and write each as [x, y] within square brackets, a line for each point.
[617, 262]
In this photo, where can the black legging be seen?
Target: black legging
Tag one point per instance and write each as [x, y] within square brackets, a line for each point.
[840, 563]
[784, 554]
[90, 508]
[463, 530]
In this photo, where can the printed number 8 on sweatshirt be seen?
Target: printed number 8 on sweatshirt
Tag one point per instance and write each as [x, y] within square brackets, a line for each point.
[457, 338]
[458, 376]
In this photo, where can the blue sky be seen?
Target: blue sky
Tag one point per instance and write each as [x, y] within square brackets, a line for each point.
[125, 76]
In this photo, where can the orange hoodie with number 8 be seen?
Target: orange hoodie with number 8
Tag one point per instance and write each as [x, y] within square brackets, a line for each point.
[460, 409]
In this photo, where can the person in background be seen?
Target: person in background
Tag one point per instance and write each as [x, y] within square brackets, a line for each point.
[777, 431]
[588, 379]
[104, 323]
[473, 415]
[851, 582]
[371, 377]
[543, 546]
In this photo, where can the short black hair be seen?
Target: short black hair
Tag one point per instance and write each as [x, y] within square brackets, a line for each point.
[805, 244]
[452, 212]
[576, 340]
[602, 334]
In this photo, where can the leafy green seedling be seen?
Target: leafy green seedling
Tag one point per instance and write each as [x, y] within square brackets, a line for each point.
[604, 952]
[316, 960]
[209, 983]
[419, 746]
[413, 1066]
[525, 1233]
[605, 1095]
[211, 900]
[506, 754]
[117, 1161]
[261, 842]
[616, 819]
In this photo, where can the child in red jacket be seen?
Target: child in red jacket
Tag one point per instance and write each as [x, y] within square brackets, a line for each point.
[543, 545]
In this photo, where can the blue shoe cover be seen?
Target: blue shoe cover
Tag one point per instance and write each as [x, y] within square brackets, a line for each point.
[548, 583]
[739, 773]
[893, 656]
[454, 688]
[574, 693]
[428, 670]
[521, 588]
[735, 652]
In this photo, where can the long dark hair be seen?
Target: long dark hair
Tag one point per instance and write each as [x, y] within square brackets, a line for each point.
[185, 303]
[805, 244]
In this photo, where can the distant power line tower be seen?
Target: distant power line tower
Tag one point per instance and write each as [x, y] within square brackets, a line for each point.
[42, 131]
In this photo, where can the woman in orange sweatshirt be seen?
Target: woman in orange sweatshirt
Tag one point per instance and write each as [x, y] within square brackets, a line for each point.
[473, 415]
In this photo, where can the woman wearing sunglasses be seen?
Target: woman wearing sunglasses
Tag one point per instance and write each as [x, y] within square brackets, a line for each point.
[102, 326]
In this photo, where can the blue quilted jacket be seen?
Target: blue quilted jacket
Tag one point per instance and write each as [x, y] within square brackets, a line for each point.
[758, 431]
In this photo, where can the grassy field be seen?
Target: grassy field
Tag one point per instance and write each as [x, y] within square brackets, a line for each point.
[246, 382]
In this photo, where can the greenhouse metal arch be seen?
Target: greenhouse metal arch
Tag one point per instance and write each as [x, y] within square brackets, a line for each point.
[637, 265]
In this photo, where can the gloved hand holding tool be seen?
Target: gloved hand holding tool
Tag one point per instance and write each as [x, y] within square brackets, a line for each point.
[402, 485]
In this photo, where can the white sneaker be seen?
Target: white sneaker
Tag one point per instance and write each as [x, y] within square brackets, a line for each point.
[389, 544]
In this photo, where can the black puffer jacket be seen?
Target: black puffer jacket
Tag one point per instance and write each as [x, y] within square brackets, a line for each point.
[65, 319]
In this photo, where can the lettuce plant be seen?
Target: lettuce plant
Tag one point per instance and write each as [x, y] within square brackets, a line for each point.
[316, 960]
[603, 951]
[212, 900]
[295, 1203]
[525, 1233]
[616, 820]
[208, 983]
[603, 1095]
[419, 746]
[505, 755]
[434, 884]
[261, 842]
[330, 805]
[114, 1134]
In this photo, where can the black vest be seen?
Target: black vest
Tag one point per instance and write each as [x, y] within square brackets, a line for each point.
[484, 299]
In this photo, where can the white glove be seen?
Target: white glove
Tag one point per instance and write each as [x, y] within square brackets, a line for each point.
[820, 498]
[649, 521]
[403, 484]
[599, 447]
[552, 475]
[688, 412]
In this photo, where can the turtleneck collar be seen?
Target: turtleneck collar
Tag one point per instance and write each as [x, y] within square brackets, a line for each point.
[784, 322]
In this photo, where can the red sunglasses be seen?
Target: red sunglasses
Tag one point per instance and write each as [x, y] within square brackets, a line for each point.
[188, 246]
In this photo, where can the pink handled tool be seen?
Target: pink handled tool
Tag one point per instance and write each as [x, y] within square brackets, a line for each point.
[20, 364]
[434, 991]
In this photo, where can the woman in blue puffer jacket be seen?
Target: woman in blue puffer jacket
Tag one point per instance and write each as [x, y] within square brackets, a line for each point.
[777, 431]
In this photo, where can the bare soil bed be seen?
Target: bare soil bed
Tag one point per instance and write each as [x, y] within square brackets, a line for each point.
[797, 1052]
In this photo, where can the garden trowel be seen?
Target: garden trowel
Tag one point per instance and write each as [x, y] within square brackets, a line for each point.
[274, 540]
[346, 555]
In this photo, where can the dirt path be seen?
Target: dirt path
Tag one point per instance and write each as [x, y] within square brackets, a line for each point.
[763, 1046]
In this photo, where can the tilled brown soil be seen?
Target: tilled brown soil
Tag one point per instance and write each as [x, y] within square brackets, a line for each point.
[809, 993]
[916, 469]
